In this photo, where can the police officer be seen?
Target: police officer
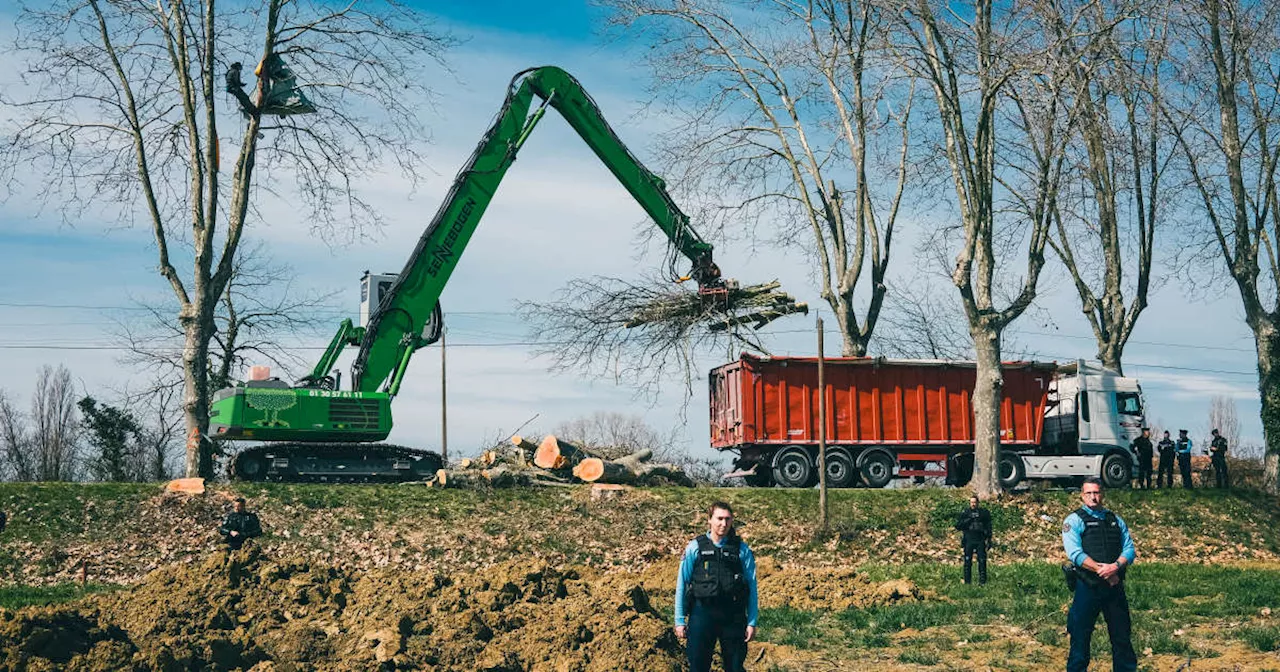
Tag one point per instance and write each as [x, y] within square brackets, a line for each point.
[1099, 546]
[1218, 452]
[1183, 450]
[1142, 446]
[716, 594]
[240, 525]
[1164, 476]
[975, 526]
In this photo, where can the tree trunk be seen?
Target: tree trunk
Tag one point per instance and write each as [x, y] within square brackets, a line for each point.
[1267, 340]
[195, 405]
[986, 411]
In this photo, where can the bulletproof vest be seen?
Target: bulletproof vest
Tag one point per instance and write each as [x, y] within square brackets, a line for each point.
[1184, 446]
[1101, 539]
[974, 529]
[1166, 447]
[717, 574]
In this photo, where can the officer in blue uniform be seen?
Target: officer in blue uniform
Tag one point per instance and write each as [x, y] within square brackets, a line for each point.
[1099, 546]
[1183, 448]
[716, 594]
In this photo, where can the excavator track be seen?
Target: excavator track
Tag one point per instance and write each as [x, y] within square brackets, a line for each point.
[334, 463]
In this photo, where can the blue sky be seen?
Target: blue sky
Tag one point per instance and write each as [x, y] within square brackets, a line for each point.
[559, 215]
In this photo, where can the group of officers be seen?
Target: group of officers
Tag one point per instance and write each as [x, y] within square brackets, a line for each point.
[1169, 450]
[717, 601]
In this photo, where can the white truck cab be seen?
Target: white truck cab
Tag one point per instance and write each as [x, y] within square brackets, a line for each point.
[1093, 416]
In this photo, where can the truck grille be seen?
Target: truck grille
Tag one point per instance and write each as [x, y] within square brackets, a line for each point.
[354, 413]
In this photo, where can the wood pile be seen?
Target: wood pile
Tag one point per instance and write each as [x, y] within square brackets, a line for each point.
[555, 462]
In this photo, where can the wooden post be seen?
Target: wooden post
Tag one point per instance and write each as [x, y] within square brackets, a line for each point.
[822, 432]
[444, 404]
[84, 573]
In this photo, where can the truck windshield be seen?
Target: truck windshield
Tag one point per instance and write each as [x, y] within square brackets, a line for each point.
[1129, 403]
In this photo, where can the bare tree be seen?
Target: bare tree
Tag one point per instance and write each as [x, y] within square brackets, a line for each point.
[17, 451]
[792, 123]
[159, 444]
[54, 424]
[260, 313]
[920, 323]
[997, 95]
[1224, 418]
[121, 108]
[1228, 131]
[1112, 199]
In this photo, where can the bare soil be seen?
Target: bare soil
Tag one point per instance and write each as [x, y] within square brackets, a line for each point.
[245, 610]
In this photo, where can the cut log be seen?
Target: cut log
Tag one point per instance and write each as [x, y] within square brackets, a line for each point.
[464, 463]
[190, 486]
[634, 469]
[526, 446]
[457, 479]
[553, 453]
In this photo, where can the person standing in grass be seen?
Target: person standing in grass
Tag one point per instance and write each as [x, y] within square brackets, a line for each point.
[1164, 476]
[1099, 546]
[716, 594]
[1142, 446]
[975, 528]
[1218, 450]
[1183, 449]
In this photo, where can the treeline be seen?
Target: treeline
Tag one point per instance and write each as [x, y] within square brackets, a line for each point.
[69, 435]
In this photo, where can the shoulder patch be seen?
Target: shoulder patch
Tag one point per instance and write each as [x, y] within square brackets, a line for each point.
[1066, 524]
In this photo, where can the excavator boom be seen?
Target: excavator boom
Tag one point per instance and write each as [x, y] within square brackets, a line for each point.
[316, 431]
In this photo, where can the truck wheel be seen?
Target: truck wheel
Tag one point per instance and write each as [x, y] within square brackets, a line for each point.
[1116, 471]
[876, 469]
[960, 469]
[840, 470]
[1010, 470]
[250, 468]
[793, 469]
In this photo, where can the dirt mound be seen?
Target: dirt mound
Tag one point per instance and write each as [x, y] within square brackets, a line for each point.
[245, 611]
[832, 588]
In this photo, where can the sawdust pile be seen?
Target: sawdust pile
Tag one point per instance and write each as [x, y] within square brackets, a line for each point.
[245, 611]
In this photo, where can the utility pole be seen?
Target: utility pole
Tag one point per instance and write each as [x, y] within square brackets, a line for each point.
[822, 432]
[444, 403]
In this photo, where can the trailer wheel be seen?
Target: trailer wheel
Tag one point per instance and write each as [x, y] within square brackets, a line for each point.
[840, 470]
[1116, 471]
[876, 469]
[794, 469]
[1010, 470]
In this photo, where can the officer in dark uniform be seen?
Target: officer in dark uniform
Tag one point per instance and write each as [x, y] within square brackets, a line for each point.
[716, 594]
[1164, 475]
[4, 520]
[975, 526]
[1142, 446]
[1218, 453]
[1100, 549]
[1183, 450]
[240, 525]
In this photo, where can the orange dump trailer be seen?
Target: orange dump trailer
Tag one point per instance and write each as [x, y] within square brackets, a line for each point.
[884, 417]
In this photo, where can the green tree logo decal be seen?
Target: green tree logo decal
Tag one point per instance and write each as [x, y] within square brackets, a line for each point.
[271, 401]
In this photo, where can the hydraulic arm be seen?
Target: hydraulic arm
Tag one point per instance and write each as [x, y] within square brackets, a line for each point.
[397, 328]
[316, 431]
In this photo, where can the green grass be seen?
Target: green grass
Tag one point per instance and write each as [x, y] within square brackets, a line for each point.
[1163, 598]
[49, 511]
[16, 597]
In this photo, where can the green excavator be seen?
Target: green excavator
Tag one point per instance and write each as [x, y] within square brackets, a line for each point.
[316, 431]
